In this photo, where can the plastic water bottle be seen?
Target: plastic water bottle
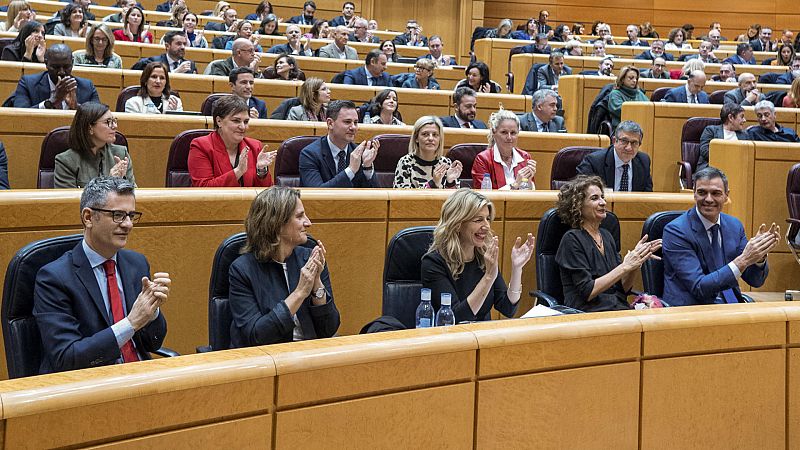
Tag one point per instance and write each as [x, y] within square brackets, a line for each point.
[486, 183]
[525, 185]
[425, 310]
[445, 316]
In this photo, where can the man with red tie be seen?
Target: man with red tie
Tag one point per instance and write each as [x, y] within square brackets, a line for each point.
[465, 103]
[96, 305]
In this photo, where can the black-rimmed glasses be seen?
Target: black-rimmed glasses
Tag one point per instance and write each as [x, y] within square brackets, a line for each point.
[119, 216]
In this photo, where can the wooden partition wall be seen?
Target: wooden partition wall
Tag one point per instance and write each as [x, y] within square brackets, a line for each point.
[626, 380]
[181, 229]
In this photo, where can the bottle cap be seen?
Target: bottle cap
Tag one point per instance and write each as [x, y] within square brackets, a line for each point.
[426, 294]
[486, 175]
[446, 298]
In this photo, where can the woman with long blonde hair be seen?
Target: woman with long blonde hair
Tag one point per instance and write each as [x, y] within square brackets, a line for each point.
[463, 260]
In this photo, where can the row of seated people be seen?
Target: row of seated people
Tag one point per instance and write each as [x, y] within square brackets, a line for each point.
[280, 289]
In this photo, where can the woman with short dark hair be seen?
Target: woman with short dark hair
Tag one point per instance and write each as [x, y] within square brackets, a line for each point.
[225, 157]
[269, 26]
[92, 151]
[280, 289]
[388, 48]
[284, 68]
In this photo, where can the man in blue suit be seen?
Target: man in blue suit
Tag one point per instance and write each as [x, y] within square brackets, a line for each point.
[705, 252]
[56, 88]
[334, 160]
[4, 184]
[744, 55]
[242, 80]
[373, 73]
[465, 103]
[692, 92]
[96, 305]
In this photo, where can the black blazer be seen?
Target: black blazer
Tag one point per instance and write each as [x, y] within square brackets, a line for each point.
[601, 163]
[216, 26]
[73, 320]
[647, 55]
[318, 169]
[3, 168]
[260, 314]
[713, 132]
[452, 122]
[162, 58]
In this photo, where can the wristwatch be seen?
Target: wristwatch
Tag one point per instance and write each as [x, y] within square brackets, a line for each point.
[319, 293]
[262, 173]
[48, 104]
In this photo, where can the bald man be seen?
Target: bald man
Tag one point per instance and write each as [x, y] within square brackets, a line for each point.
[691, 92]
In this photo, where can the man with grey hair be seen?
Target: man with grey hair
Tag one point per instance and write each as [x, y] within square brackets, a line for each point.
[747, 93]
[768, 129]
[657, 70]
[338, 49]
[656, 50]
[547, 76]
[691, 92]
[706, 252]
[633, 37]
[243, 54]
[705, 53]
[96, 305]
[361, 32]
[544, 117]
[622, 166]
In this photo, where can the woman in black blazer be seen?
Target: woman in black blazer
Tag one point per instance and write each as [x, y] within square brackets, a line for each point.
[280, 290]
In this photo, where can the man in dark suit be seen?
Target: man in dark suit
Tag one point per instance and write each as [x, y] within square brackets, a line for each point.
[243, 54]
[465, 103]
[361, 32]
[633, 37]
[744, 55]
[794, 72]
[622, 166]
[768, 129]
[436, 54]
[56, 88]
[656, 50]
[95, 305]
[228, 19]
[175, 43]
[747, 93]
[347, 17]
[732, 128]
[334, 160]
[658, 70]
[692, 92]
[242, 80]
[547, 76]
[764, 42]
[413, 35]
[541, 24]
[544, 117]
[4, 184]
[373, 73]
[699, 267]
[307, 18]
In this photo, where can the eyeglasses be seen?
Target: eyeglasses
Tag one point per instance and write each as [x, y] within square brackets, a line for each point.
[119, 216]
[420, 68]
[626, 142]
[111, 122]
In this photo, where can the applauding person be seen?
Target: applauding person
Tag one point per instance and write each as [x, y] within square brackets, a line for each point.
[155, 95]
[133, 28]
[28, 46]
[464, 258]
[425, 165]
[506, 165]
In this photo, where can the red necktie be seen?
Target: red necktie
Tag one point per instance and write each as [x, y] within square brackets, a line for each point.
[467, 125]
[128, 352]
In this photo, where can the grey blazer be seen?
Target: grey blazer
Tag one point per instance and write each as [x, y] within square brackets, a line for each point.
[74, 171]
[738, 97]
[528, 123]
[330, 51]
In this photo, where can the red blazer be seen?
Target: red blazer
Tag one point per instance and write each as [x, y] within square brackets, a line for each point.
[119, 35]
[484, 163]
[209, 165]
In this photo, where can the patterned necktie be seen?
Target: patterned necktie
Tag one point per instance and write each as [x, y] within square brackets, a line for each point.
[341, 161]
[128, 352]
[623, 182]
[719, 261]
[467, 125]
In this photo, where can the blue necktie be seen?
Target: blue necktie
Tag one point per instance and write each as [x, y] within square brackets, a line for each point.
[719, 257]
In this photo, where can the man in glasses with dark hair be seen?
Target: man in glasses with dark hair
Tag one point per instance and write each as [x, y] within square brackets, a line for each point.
[96, 305]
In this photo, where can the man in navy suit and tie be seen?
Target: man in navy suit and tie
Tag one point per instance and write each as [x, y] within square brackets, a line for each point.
[56, 88]
[544, 117]
[622, 166]
[705, 252]
[373, 73]
[96, 305]
[692, 92]
[465, 102]
[334, 160]
[175, 43]
[242, 80]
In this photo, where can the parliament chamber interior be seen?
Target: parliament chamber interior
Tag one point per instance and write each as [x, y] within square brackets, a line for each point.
[709, 375]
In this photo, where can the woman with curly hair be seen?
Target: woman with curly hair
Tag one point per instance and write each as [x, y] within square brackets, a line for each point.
[594, 276]
[463, 260]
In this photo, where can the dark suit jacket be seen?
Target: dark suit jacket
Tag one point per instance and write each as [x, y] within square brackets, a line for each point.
[162, 58]
[358, 76]
[34, 89]
[784, 134]
[257, 294]
[337, 21]
[785, 78]
[260, 106]
[318, 169]
[546, 78]
[302, 21]
[737, 96]
[647, 55]
[216, 26]
[713, 132]
[678, 95]
[527, 122]
[374, 40]
[285, 48]
[163, 7]
[688, 277]
[758, 46]
[639, 43]
[3, 168]
[736, 59]
[73, 320]
[402, 39]
[601, 163]
[452, 122]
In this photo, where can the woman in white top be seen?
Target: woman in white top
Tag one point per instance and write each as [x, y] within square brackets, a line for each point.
[155, 96]
[675, 40]
[73, 22]
[19, 13]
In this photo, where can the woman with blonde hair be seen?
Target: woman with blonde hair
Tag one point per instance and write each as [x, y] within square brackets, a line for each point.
[626, 90]
[425, 166]
[220, 8]
[463, 260]
[505, 164]
[690, 66]
[280, 288]
[99, 49]
[792, 99]
[314, 98]
[18, 14]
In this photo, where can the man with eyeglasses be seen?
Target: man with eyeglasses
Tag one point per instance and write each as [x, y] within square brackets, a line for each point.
[361, 32]
[56, 88]
[622, 166]
[243, 54]
[657, 70]
[656, 50]
[97, 305]
[413, 35]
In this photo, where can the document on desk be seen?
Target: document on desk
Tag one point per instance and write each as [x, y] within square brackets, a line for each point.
[541, 311]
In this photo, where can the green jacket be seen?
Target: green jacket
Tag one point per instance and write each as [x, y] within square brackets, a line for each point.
[74, 171]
